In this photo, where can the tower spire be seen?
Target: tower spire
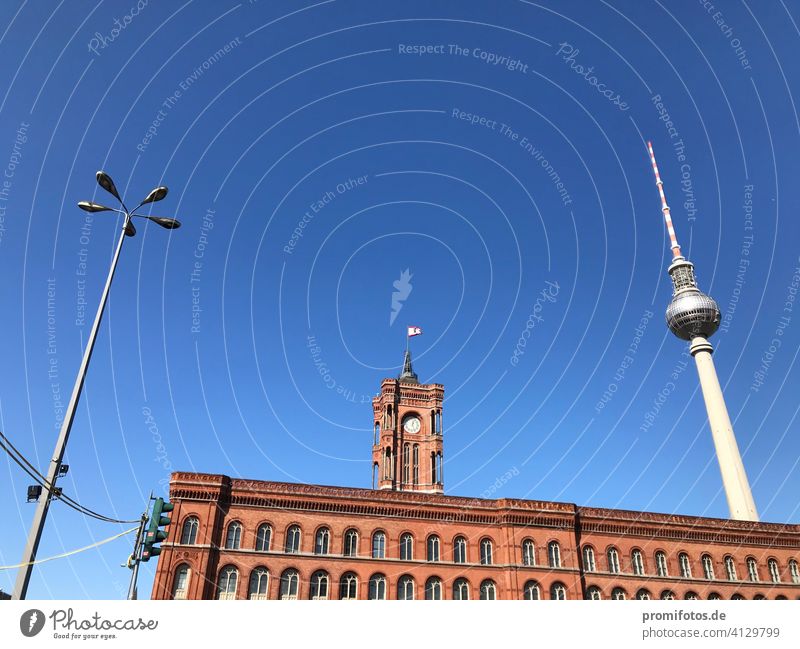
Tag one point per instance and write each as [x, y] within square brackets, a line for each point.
[408, 375]
[694, 316]
[673, 239]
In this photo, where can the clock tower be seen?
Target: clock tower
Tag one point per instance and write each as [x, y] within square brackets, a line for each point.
[407, 439]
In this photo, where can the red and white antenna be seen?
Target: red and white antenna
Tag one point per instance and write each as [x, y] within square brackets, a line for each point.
[676, 249]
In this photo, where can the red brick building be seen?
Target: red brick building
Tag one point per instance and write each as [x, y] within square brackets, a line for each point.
[404, 539]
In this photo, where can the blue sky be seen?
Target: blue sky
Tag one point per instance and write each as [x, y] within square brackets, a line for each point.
[495, 150]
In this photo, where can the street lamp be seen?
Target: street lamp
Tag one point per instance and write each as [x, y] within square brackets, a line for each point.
[54, 469]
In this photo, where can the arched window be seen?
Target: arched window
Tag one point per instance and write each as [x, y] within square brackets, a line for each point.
[661, 564]
[460, 588]
[259, 584]
[387, 464]
[643, 593]
[376, 433]
[488, 589]
[714, 596]
[415, 473]
[691, 595]
[618, 593]
[589, 564]
[433, 548]
[180, 584]
[752, 569]
[263, 537]
[593, 592]
[405, 587]
[433, 588]
[686, 567]
[379, 545]
[667, 594]
[434, 477]
[322, 541]
[637, 562]
[460, 550]
[730, 568]
[439, 468]
[319, 585]
[486, 552]
[528, 553]
[774, 572]
[189, 531]
[233, 539]
[290, 583]
[759, 596]
[406, 547]
[226, 586]
[406, 463]
[554, 554]
[377, 587]
[348, 586]
[293, 539]
[375, 473]
[794, 571]
[531, 590]
[737, 596]
[613, 560]
[708, 566]
[350, 548]
[558, 591]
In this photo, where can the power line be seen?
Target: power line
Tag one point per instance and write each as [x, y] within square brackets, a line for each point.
[31, 470]
[71, 552]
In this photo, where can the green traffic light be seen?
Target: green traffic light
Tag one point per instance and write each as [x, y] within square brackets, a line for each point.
[154, 534]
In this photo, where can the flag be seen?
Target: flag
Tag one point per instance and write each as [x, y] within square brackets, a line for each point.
[414, 331]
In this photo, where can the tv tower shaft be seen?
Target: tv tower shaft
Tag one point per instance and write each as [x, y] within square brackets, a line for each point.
[694, 316]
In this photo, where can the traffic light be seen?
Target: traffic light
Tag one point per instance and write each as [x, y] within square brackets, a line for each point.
[154, 534]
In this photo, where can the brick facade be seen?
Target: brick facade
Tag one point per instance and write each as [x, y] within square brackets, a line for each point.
[217, 501]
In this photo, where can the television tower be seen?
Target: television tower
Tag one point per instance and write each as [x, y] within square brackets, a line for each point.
[694, 316]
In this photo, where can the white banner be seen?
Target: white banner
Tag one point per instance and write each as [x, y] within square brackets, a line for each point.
[442, 624]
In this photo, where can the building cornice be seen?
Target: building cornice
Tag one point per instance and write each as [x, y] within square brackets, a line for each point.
[505, 511]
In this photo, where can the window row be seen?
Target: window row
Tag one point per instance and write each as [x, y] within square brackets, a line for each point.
[321, 586]
[350, 544]
[685, 565]
[594, 593]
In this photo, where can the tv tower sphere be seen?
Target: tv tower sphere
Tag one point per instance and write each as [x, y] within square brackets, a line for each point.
[691, 312]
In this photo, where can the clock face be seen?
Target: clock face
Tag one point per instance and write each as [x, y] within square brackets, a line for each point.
[411, 424]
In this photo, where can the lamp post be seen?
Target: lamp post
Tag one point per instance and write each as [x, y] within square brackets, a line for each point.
[43, 504]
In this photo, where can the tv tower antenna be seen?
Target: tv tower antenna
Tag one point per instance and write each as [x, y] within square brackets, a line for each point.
[694, 316]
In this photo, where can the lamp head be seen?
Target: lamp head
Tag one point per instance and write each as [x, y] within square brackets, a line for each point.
[89, 206]
[156, 195]
[164, 222]
[104, 180]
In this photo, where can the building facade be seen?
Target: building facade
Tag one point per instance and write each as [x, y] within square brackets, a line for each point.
[405, 539]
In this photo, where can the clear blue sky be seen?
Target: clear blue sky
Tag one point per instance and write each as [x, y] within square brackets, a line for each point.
[253, 112]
